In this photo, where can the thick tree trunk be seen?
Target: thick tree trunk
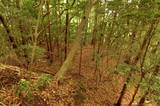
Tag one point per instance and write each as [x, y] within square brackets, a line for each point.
[76, 44]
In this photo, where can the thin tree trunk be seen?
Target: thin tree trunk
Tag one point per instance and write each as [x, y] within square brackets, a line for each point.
[36, 34]
[146, 38]
[80, 58]
[112, 30]
[142, 64]
[136, 90]
[142, 100]
[49, 34]
[10, 36]
[21, 27]
[94, 38]
[66, 33]
[123, 91]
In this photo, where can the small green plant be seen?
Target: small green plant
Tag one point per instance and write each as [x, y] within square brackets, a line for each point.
[80, 94]
[122, 68]
[79, 97]
[44, 80]
[27, 49]
[23, 89]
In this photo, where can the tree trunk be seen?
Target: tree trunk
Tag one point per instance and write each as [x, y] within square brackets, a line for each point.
[50, 47]
[10, 36]
[142, 64]
[123, 91]
[66, 33]
[142, 100]
[136, 59]
[36, 34]
[80, 58]
[135, 91]
[68, 61]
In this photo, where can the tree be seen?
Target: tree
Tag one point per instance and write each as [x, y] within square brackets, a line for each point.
[74, 49]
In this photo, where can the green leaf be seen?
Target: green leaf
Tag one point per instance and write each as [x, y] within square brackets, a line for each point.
[157, 1]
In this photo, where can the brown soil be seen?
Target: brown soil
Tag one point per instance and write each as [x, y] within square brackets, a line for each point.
[36, 100]
[76, 90]
[8, 77]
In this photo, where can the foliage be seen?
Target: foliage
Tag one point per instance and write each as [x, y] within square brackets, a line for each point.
[23, 88]
[80, 94]
[3, 49]
[122, 68]
[39, 52]
[156, 90]
[44, 80]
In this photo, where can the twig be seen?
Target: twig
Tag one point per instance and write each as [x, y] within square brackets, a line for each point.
[2, 104]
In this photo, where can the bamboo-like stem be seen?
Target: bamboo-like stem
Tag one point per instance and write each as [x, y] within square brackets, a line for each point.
[36, 34]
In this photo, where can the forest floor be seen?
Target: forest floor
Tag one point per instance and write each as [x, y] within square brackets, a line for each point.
[76, 89]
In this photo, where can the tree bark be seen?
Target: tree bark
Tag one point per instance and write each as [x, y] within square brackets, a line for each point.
[50, 47]
[66, 34]
[136, 59]
[76, 45]
[10, 36]
[142, 100]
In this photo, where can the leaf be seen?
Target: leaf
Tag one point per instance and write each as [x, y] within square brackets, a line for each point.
[157, 1]
[39, 52]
